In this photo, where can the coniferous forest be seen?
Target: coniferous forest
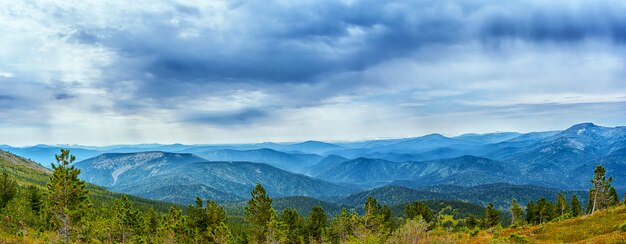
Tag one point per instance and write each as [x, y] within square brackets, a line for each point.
[61, 208]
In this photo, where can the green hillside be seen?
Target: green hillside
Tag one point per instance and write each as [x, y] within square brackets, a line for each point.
[28, 173]
[600, 227]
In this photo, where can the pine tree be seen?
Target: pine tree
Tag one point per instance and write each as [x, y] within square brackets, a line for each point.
[516, 213]
[276, 231]
[530, 213]
[196, 217]
[544, 210]
[203, 220]
[34, 199]
[387, 219]
[600, 188]
[294, 223]
[613, 198]
[216, 214]
[576, 209]
[67, 193]
[176, 226]
[8, 189]
[561, 207]
[492, 216]
[258, 213]
[316, 224]
[221, 234]
[372, 208]
[152, 223]
[341, 227]
[415, 209]
[127, 219]
[471, 221]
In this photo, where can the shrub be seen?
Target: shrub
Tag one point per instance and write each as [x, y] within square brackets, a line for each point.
[539, 230]
[515, 238]
[622, 227]
[474, 232]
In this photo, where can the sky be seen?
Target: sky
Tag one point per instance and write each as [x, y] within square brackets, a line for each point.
[196, 72]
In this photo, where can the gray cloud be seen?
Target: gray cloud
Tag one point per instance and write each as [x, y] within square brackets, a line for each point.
[281, 61]
[304, 43]
[228, 119]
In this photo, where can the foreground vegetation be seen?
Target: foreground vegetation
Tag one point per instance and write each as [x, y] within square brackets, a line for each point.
[37, 205]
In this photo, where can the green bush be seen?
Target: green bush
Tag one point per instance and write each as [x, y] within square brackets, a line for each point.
[515, 238]
[474, 232]
[622, 226]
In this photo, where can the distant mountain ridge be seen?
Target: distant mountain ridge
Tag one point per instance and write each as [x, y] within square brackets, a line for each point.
[180, 177]
[561, 159]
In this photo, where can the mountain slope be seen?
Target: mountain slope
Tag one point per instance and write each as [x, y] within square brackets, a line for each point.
[499, 194]
[181, 177]
[425, 143]
[294, 162]
[361, 171]
[464, 170]
[313, 147]
[107, 169]
[488, 137]
[27, 172]
[324, 164]
[44, 154]
[615, 165]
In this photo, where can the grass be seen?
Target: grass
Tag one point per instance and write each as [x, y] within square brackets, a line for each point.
[600, 227]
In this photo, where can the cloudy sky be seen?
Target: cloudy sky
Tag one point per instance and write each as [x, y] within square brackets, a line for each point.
[107, 72]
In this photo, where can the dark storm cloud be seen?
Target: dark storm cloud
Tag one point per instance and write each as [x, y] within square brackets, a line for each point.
[61, 96]
[286, 43]
[297, 50]
[6, 98]
[227, 118]
[575, 23]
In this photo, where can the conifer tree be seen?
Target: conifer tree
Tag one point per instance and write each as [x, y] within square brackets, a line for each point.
[316, 224]
[471, 221]
[221, 234]
[176, 226]
[387, 219]
[127, 218]
[67, 193]
[415, 209]
[294, 224]
[600, 188]
[516, 213]
[561, 206]
[258, 213]
[341, 227]
[34, 199]
[530, 213]
[152, 223]
[372, 208]
[492, 216]
[613, 198]
[8, 189]
[276, 231]
[576, 209]
[215, 214]
[544, 210]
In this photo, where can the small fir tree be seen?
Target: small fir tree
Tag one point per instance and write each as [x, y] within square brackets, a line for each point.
[258, 213]
[66, 194]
